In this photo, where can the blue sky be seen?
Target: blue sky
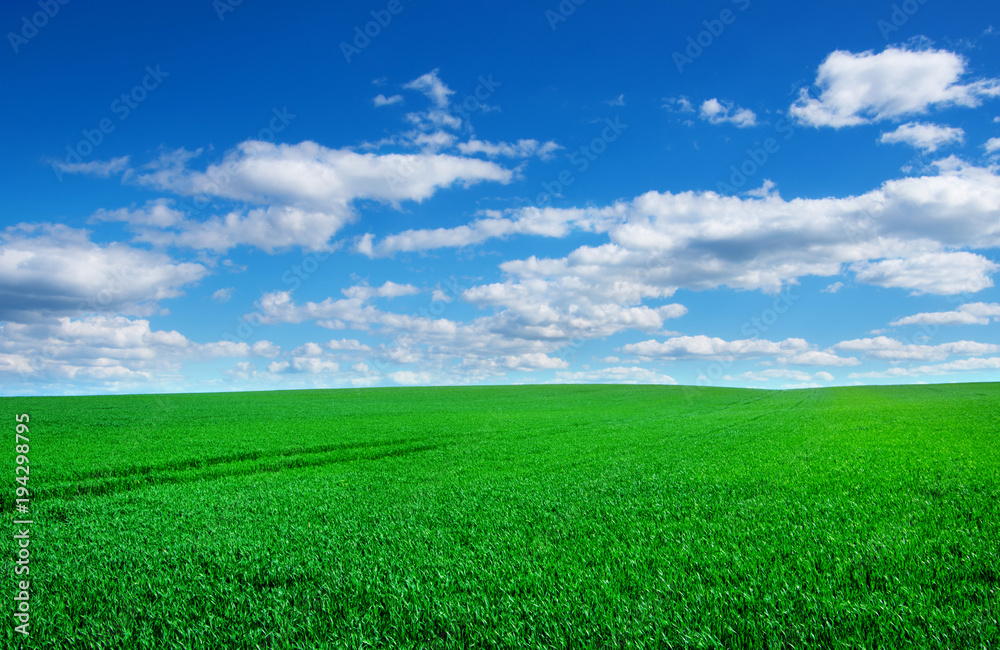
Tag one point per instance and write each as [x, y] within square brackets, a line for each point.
[214, 196]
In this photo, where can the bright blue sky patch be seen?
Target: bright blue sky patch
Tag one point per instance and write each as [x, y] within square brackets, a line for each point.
[216, 195]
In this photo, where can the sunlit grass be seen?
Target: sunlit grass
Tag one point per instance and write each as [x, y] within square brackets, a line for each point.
[574, 516]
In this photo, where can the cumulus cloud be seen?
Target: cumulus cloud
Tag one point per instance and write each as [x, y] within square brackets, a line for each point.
[388, 290]
[710, 347]
[431, 85]
[716, 112]
[382, 100]
[819, 358]
[973, 313]
[353, 345]
[99, 348]
[779, 373]
[678, 105]
[51, 270]
[941, 273]
[567, 310]
[867, 87]
[546, 222]
[977, 364]
[315, 177]
[304, 192]
[903, 234]
[100, 168]
[519, 149]
[410, 378]
[158, 213]
[792, 351]
[528, 327]
[613, 375]
[923, 136]
[889, 349]
[992, 145]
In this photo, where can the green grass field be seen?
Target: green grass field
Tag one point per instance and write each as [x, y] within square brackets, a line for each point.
[565, 516]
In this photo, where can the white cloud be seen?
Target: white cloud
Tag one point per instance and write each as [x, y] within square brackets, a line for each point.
[352, 345]
[546, 222]
[660, 242]
[101, 168]
[15, 363]
[974, 313]
[819, 358]
[941, 273]
[527, 327]
[888, 349]
[315, 177]
[568, 310]
[903, 234]
[313, 365]
[992, 145]
[709, 347]
[833, 288]
[867, 87]
[440, 295]
[158, 213]
[613, 375]
[678, 105]
[431, 85]
[716, 112]
[223, 295]
[433, 142]
[519, 149]
[410, 378]
[976, 364]
[307, 191]
[617, 101]
[923, 136]
[98, 348]
[278, 307]
[382, 100]
[795, 375]
[394, 290]
[48, 270]
[530, 361]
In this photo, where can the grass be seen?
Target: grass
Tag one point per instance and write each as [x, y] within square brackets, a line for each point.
[564, 516]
